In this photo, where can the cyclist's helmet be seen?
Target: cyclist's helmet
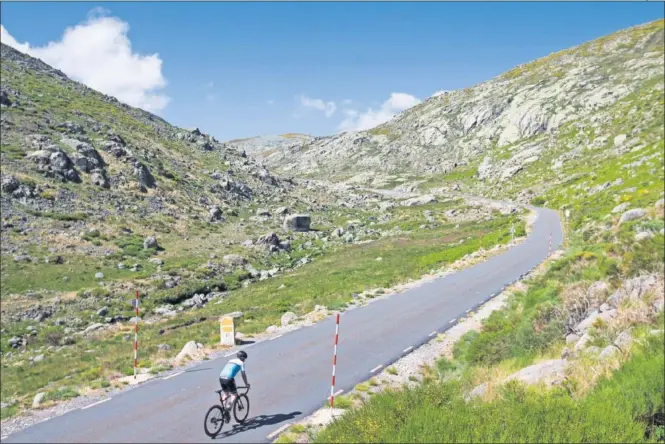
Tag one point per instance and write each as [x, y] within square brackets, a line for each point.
[242, 355]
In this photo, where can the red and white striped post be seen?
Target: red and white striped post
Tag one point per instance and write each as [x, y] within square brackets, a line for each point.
[332, 386]
[136, 332]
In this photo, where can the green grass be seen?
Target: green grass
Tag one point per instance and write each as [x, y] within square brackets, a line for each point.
[619, 409]
[77, 272]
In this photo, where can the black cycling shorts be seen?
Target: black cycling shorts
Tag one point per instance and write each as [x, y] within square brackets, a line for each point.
[228, 385]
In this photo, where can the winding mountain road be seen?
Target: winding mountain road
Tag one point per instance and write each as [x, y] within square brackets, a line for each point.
[290, 375]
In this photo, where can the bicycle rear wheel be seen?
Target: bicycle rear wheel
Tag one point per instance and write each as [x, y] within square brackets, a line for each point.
[214, 421]
[241, 408]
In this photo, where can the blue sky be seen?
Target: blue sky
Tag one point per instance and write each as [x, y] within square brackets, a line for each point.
[243, 69]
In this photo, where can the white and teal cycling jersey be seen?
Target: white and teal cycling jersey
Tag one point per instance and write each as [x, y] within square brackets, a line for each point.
[232, 368]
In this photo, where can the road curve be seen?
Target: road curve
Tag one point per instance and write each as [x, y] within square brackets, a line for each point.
[290, 375]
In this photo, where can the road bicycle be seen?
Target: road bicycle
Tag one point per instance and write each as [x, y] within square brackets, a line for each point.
[218, 414]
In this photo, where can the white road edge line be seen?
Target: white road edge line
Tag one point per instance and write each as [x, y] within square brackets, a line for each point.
[432, 334]
[453, 320]
[467, 310]
[375, 368]
[337, 393]
[230, 354]
[172, 376]
[407, 349]
[279, 430]
[95, 403]
[278, 336]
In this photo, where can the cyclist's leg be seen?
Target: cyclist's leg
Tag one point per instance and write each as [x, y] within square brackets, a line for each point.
[233, 391]
[225, 389]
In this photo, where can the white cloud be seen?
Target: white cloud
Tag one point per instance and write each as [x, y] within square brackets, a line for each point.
[211, 97]
[397, 102]
[99, 54]
[347, 102]
[210, 84]
[328, 108]
[270, 102]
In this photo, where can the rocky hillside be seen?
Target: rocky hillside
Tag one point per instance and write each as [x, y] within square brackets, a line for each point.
[493, 130]
[101, 198]
[262, 146]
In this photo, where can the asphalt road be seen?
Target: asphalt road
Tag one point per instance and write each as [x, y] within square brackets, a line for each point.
[290, 375]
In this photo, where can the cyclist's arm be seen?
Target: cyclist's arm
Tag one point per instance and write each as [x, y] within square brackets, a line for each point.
[244, 378]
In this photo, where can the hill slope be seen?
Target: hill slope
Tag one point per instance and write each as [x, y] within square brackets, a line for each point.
[494, 129]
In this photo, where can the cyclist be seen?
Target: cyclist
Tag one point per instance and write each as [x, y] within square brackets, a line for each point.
[227, 375]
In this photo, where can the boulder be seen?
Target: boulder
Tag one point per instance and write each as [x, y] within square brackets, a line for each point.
[582, 342]
[550, 372]
[191, 350]
[268, 239]
[150, 242]
[215, 213]
[37, 400]
[287, 318]
[636, 213]
[10, 184]
[297, 222]
[93, 327]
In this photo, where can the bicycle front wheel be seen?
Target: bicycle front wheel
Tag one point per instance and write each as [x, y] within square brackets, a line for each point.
[214, 421]
[241, 409]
